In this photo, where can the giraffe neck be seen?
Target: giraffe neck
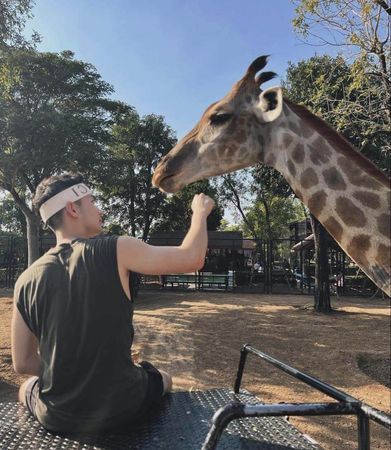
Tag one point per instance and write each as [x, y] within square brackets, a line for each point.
[345, 191]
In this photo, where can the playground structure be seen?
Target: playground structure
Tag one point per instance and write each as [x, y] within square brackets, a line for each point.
[207, 420]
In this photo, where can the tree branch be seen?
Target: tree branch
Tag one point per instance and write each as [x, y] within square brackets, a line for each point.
[21, 204]
[383, 4]
[239, 206]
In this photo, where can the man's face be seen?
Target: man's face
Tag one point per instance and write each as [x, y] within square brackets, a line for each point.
[91, 215]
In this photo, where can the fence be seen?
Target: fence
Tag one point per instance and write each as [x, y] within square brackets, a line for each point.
[245, 265]
[13, 259]
[265, 266]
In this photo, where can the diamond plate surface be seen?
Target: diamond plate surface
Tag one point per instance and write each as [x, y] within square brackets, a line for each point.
[181, 424]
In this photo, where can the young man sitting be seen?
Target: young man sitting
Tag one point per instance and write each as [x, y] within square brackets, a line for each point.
[72, 326]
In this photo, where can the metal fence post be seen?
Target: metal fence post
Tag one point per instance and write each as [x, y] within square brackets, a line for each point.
[363, 431]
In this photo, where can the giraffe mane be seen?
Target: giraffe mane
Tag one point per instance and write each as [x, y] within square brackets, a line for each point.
[337, 140]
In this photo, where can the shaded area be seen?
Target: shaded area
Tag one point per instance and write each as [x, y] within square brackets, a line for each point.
[8, 392]
[376, 367]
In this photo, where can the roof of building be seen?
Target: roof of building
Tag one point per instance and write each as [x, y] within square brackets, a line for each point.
[216, 239]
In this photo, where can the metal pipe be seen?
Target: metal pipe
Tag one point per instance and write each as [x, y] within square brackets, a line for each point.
[377, 416]
[308, 379]
[300, 409]
[236, 410]
[242, 362]
[220, 420]
[363, 432]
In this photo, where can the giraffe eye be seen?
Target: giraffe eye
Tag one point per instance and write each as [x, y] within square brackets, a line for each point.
[220, 118]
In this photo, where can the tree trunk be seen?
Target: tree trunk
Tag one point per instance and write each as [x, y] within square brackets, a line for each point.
[32, 222]
[267, 218]
[32, 238]
[322, 280]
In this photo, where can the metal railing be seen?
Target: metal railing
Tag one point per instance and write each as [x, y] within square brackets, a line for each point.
[346, 405]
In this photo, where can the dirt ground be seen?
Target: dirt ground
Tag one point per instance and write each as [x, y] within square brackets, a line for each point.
[197, 337]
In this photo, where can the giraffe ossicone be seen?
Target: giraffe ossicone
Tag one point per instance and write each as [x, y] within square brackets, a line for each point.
[348, 194]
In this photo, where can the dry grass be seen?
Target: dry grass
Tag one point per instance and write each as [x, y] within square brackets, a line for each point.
[197, 337]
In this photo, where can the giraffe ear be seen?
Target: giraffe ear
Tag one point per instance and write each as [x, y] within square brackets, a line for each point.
[269, 105]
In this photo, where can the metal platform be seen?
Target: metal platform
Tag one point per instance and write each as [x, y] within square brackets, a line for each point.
[182, 423]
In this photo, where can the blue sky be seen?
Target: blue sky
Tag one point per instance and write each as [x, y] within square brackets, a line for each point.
[171, 57]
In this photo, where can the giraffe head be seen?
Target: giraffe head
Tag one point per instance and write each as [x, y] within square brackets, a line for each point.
[232, 133]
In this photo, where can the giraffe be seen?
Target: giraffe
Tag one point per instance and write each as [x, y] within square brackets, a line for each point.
[345, 191]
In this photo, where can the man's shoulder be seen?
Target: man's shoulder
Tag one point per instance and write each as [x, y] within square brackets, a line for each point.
[100, 242]
[34, 269]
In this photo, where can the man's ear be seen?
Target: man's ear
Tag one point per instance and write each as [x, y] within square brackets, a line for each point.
[71, 210]
[269, 104]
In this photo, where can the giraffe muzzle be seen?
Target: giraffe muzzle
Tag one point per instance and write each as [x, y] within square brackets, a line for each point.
[165, 183]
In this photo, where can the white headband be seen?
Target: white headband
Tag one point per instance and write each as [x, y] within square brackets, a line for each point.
[59, 201]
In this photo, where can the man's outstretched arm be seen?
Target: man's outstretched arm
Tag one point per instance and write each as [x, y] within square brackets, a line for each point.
[137, 256]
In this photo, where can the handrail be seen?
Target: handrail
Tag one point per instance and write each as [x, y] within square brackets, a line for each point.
[378, 416]
[346, 404]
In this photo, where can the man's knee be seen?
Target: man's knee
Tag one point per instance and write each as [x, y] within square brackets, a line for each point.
[22, 390]
[167, 381]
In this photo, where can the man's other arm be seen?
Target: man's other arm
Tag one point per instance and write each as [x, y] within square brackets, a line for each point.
[24, 344]
[137, 256]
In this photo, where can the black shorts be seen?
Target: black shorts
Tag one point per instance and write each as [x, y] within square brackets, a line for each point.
[155, 392]
[152, 400]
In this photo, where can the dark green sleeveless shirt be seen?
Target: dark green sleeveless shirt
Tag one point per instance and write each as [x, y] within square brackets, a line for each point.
[72, 300]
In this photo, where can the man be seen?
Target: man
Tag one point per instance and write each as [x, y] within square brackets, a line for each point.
[72, 321]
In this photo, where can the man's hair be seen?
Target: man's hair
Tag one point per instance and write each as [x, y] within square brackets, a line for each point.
[51, 186]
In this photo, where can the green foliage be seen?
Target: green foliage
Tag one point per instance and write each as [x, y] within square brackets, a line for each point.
[352, 104]
[176, 213]
[115, 229]
[54, 116]
[270, 216]
[13, 16]
[226, 226]
[360, 23]
[269, 181]
[125, 179]
[352, 91]
[253, 191]
[12, 219]
[234, 190]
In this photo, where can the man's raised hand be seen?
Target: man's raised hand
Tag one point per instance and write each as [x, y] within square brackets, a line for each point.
[202, 205]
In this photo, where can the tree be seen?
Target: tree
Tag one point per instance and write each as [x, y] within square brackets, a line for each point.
[126, 179]
[13, 16]
[270, 216]
[176, 212]
[326, 86]
[234, 189]
[256, 185]
[360, 30]
[225, 225]
[12, 219]
[322, 301]
[54, 116]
